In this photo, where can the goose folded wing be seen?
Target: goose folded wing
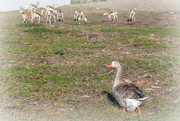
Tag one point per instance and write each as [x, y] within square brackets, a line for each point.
[137, 93]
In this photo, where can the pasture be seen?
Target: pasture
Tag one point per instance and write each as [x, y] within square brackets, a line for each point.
[59, 71]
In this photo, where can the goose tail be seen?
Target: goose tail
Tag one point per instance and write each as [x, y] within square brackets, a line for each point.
[144, 98]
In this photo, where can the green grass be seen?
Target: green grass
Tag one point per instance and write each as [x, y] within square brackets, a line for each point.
[50, 82]
[41, 44]
[94, 21]
[157, 31]
[59, 51]
[40, 30]
[28, 25]
[148, 37]
[35, 79]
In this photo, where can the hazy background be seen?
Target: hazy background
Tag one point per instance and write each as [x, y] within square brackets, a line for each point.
[119, 5]
[142, 5]
[8, 5]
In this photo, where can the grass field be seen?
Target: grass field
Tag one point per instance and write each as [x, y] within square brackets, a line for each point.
[59, 71]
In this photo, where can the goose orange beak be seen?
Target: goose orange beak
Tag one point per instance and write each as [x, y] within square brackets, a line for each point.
[111, 65]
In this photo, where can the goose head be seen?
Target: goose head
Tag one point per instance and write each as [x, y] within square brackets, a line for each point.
[115, 64]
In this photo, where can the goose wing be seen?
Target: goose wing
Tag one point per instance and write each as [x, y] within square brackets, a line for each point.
[137, 90]
[128, 91]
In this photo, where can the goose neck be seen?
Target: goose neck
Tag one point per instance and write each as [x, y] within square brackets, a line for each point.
[118, 80]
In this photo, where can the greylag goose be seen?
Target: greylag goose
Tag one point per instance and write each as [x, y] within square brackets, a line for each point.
[128, 95]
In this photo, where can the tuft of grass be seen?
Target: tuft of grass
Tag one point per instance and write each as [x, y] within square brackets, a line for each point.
[59, 51]
[63, 56]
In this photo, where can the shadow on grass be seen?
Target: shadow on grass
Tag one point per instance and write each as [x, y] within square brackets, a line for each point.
[111, 98]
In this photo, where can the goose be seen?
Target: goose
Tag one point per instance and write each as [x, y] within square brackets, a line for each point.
[128, 95]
